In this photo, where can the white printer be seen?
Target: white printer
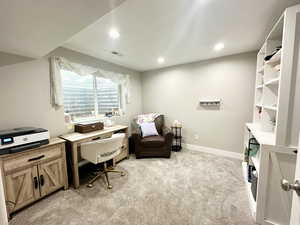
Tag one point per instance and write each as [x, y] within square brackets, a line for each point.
[20, 139]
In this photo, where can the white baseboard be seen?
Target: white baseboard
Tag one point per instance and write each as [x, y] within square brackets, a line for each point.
[214, 151]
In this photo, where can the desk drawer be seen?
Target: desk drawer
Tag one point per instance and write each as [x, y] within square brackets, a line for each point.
[27, 159]
[98, 137]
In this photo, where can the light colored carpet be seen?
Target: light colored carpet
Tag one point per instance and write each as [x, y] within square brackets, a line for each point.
[191, 188]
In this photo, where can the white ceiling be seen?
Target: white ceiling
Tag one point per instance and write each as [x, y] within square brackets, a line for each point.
[180, 30]
[35, 27]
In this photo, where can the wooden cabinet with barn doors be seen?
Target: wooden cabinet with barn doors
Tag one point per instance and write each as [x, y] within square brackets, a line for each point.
[33, 174]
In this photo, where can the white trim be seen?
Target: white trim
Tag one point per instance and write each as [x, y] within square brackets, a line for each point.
[214, 151]
[248, 188]
[3, 213]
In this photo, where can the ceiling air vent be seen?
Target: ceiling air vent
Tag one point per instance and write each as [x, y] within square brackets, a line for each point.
[116, 53]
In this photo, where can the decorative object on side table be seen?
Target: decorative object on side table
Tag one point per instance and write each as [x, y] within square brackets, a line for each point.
[176, 130]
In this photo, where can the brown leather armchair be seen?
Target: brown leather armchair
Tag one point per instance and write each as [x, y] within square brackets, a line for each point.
[153, 146]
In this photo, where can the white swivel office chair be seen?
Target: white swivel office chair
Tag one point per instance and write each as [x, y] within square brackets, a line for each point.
[101, 151]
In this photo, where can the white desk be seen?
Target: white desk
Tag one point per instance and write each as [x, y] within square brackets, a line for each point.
[75, 139]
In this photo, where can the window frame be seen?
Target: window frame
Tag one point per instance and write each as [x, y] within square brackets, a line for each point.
[96, 108]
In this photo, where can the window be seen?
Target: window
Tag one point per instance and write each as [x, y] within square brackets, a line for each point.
[88, 97]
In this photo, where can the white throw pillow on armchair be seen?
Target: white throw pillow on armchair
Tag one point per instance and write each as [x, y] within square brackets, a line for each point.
[149, 129]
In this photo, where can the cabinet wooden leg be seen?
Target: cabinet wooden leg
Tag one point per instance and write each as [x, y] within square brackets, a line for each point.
[65, 173]
[75, 166]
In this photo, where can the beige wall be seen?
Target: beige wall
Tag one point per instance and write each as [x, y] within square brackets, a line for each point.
[25, 91]
[176, 91]
[9, 59]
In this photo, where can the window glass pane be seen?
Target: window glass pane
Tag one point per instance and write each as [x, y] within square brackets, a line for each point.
[79, 99]
[108, 95]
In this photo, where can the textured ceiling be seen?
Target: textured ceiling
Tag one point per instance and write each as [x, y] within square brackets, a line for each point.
[180, 30]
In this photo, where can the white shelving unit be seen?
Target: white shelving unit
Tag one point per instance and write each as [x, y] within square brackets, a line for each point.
[267, 87]
[274, 81]
[248, 187]
[275, 90]
[255, 161]
[261, 70]
[265, 138]
[272, 108]
[276, 59]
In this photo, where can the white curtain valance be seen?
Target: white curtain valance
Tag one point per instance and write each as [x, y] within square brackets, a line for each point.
[58, 63]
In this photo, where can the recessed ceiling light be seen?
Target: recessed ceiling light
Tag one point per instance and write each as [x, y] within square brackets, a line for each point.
[219, 46]
[161, 60]
[114, 33]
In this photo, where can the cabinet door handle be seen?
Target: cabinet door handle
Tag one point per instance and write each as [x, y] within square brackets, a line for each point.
[36, 182]
[36, 158]
[42, 180]
[287, 186]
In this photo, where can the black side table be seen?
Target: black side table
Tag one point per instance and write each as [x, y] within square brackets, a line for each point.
[176, 145]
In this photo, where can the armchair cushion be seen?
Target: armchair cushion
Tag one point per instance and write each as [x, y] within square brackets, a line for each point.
[148, 129]
[153, 141]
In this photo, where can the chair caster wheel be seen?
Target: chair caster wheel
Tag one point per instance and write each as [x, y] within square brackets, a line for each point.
[122, 174]
[109, 187]
[90, 185]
